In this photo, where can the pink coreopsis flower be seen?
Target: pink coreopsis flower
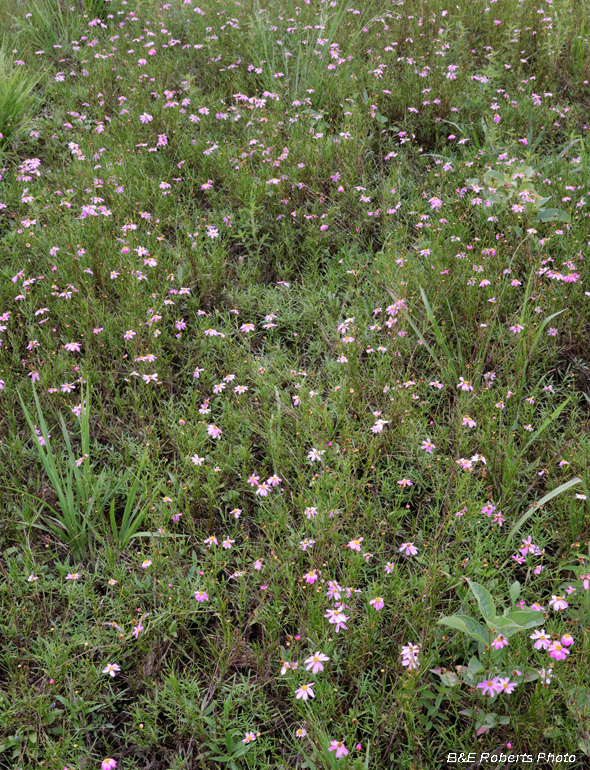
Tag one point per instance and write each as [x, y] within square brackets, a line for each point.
[315, 663]
[305, 691]
[201, 596]
[557, 651]
[499, 642]
[408, 548]
[108, 764]
[355, 545]
[214, 431]
[409, 655]
[558, 603]
[545, 675]
[490, 687]
[377, 603]
[337, 617]
[505, 685]
[339, 748]
[541, 639]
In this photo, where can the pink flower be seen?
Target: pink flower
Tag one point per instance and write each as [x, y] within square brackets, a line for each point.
[112, 669]
[377, 603]
[505, 685]
[214, 431]
[490, 687]
[337, 617]
[409, 655]
[305, 691]
[409, 549]
[339, 748]
[316, 662]
[108, 764]
[558, 651]
[499, 642]
[545, 675]
[428, 446]
[355, 545]
[201, 596]
[405, 483]
[145, 118]
[558, 603]
[567, 640]
[541, 639]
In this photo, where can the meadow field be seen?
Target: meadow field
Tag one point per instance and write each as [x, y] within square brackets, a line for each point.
[294, 384]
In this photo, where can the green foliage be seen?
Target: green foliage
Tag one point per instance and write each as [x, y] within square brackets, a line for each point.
[17, 100]
[49, 26]
[264, 218]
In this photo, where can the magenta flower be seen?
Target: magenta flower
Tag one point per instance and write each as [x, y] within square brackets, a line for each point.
[409, 655]
[305, 691]
[316, 662]
[505, 685]
[499, 642]
[108, 764]
[558, 603]
[408, 548]
[201, 596]
[339, 748]
[541, 639]
[377, 603]
[337, 617]
[490, 687]
[557, 651]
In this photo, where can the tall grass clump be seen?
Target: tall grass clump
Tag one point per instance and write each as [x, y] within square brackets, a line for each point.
[49, 26]
[17, 100]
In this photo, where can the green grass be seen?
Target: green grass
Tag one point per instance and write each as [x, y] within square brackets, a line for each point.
[383, 217]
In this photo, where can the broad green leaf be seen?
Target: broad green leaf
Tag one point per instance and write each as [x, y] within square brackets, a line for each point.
[526, 618]
[553, 215]
[484, 600]
[468, 625]
[514, 591]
